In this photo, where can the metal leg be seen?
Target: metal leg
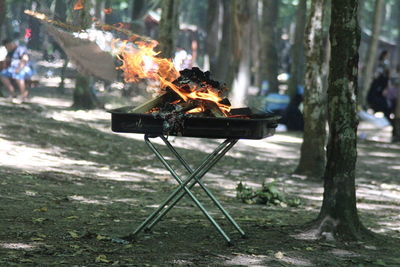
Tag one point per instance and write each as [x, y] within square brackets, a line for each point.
[185, 186]
[197, 180]
[208, 162]
[195, 200]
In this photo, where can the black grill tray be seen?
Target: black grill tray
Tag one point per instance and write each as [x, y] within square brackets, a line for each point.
[258, 126]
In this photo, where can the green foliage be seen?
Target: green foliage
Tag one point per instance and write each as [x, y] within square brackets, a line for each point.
[268, 194]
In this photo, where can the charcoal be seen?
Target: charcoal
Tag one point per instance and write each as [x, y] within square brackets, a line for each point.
[195, 75]
[225, 101]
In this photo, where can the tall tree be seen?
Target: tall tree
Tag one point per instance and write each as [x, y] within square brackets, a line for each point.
[312, 157]
[297, 71]
[372, 50]
[242, 52]
[169, 26]
[225, 68]
[83, 96]
[338, 214]
[139, 10]
[3, 12]
[213, 28]
[269, 40]
[396, 120]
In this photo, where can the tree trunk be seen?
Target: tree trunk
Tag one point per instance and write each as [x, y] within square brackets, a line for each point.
[225, 66]
[255, 45]
[83, 96]
[396, 121]
[139, 9]
[3, 12]
[35, 41]
[312, 158]
[169, 26]
[297, 69]
[269, 39]
[242, 33]
[372, 51]
[213, 29]
[338, 215]
[60, 10]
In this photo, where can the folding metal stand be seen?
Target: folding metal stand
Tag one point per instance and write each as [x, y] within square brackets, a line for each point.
[185, 186]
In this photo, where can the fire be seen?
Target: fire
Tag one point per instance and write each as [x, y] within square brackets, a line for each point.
[80, 4]
[140, 61]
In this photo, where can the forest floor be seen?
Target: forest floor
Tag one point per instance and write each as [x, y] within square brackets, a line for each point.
[69, 186]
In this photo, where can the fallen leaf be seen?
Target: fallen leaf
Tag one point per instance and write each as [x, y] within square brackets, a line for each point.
[278, 255]
[73, 234]
[74, 246]
[309, 248]
[102, 258]
[72, 217]
[44, 209]
[102, 237]
[38, 220]
[380, 262]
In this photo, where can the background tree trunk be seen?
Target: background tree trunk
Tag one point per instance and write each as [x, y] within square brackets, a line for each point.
[255, 45]
[3, 13]
[296, 68]
[60, 10]
[225, 68]
[396, 121]
[338, 214]
[139, 10]
[213, 29]
[169, 26]
[83, 96]
[242, 53]
[269, 39]
[372, 51]
[312, 157]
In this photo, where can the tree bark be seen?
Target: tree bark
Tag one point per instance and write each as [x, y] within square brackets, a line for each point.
[60, 10]
[242, 33]
[396, 121]
[169, 26]
[269, 39]
[3, 12]
[225, 68]
[312, 157]
[255, 45]
[338, 215]
[139, 9]
[372, 51]
[297, 69]
[213, 29]
[83, 96]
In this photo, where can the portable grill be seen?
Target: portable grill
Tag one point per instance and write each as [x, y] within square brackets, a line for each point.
[254, 126]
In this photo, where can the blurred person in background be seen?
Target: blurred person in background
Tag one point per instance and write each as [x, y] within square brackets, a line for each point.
[17, 68]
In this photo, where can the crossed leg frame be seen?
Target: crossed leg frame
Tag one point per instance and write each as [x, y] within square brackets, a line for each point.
[186, 185]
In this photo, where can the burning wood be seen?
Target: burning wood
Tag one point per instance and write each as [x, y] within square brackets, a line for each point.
[203, 97]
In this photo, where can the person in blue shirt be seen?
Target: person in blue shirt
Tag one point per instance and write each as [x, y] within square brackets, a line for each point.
[18, 68]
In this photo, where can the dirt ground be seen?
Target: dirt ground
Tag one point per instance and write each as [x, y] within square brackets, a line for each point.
[70, 187]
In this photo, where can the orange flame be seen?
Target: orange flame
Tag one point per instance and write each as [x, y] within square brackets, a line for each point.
[140, 61]
[80, 4]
